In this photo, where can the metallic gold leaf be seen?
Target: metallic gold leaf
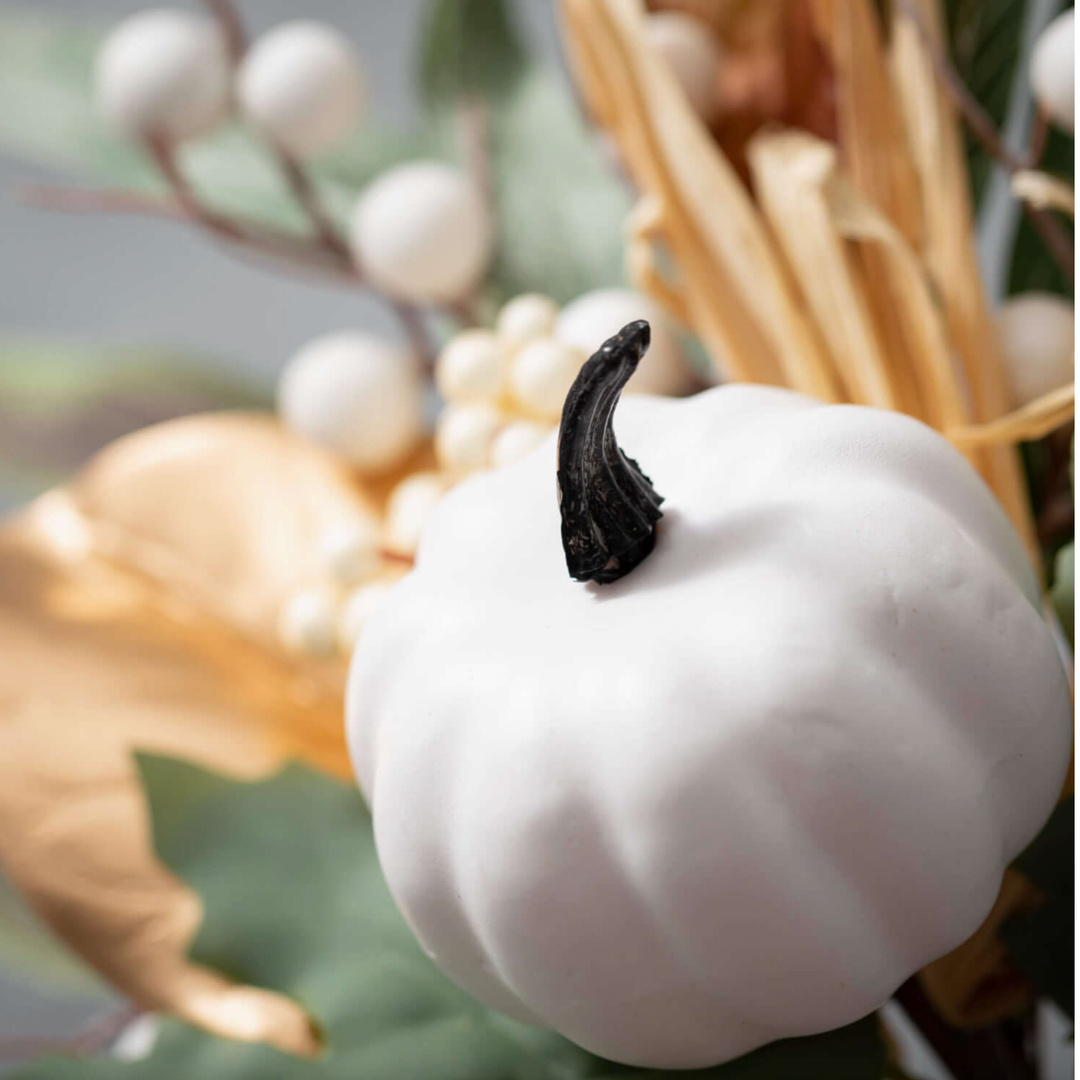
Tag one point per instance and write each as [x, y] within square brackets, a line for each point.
[137, 611]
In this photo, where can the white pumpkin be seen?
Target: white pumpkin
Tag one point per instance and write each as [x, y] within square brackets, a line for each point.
[748, 789]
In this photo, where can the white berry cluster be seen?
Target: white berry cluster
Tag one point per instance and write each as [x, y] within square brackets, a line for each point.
[329, 615]
[167, 73]
[504, 388]
[421, 232]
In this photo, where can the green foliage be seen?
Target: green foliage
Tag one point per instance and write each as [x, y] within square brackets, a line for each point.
[468, 48]
[295, 901]
[560, 209]
[1041, 941]
[60, 402]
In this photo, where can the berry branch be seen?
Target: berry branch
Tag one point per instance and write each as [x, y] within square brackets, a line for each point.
[982, 127]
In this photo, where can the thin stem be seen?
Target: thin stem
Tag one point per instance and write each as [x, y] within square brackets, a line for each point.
[232, 27]
[164, 157]
[279, 245]
[1040, 132]
[982, 127]
[307, 196]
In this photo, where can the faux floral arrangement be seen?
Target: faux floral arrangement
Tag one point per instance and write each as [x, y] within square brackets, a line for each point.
[684, 757]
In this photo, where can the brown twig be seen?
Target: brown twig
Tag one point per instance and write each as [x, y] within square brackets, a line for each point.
[474, 137]
[240, 234]
[307, 197]
[305, 193]
[982, 127]
[231, 26]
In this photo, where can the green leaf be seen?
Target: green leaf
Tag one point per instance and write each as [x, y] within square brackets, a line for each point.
[1041, 941]
[560, 209]
[60, 402]
[295, 901]
[1062, 591]
[47, 115]
[468, 48]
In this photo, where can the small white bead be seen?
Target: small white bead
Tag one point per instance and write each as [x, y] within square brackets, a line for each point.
[163, 72]
[541, 375]
[422, 232]
[1036, 331]
[1053, 74]
[527, 316]
[693, 53]
[356, 394]
[463, 435]
[358, 609]
[516, 440]
[408, 509]
[471, 367]
[593, 317]
[350, 552]
[301, 83]
[308, 622]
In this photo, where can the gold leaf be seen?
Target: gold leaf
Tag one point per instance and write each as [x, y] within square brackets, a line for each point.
[137, 609]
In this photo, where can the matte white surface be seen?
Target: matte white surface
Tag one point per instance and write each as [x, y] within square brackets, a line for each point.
[744, 792]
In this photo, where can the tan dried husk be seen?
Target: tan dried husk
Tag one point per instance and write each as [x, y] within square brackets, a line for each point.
[849, 273]
[138, 608]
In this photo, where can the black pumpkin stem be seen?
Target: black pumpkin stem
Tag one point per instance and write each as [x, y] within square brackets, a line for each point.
[609, 507]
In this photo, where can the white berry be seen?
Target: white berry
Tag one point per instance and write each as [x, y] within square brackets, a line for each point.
[1036, 332]
[692, 51]
[463, 436]
[408, 509]
[358, 609]
[541, 375]
[301, 83]
[350, 551]
[516, 440]
[1053, 72]
[471, 367]
[592, 318]
[308, 622]
[422, 232]
[357, 395]
[163, 72]
[527, 316]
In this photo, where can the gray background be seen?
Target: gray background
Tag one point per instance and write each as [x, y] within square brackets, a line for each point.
[124, 280]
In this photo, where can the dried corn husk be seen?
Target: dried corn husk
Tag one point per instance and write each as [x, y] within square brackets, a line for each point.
[846, 272]
[1033, 421]
[137, 612]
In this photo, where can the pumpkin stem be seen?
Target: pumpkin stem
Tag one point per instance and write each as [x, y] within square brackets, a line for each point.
[609, 507]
